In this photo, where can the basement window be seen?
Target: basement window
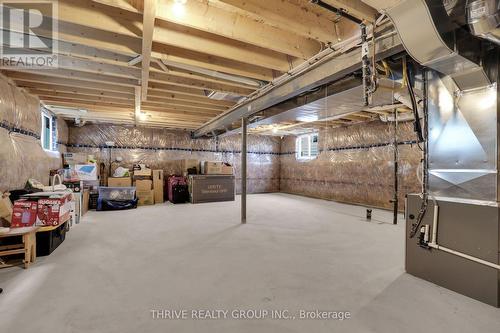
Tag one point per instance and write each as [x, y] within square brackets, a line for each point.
[48, 137]
[307, 147]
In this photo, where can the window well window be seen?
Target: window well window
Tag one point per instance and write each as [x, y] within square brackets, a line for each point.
[307, 146]
[48, 136]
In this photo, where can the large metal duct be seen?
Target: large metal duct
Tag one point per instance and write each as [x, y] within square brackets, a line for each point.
[457, 218]
[483, 17]
[438, 44]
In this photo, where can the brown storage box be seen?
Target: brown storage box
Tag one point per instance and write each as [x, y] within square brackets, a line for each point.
[212, 168]
[158, 184]
[143, 172]
[119, 182]
[85, 201]
[144, 185]
[211, 188]
[145, 197]
[226, 169]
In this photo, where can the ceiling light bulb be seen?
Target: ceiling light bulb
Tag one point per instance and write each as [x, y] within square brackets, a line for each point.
[179, 9]
[275, 130]
[143, 116]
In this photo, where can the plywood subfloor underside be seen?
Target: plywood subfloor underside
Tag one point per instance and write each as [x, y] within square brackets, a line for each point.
[295, 253]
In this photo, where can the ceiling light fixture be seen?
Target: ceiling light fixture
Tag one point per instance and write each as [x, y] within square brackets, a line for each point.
[178, 8]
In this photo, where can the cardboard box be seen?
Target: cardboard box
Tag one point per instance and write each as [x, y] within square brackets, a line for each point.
[5, 207]
[144, 185]
[85, 201]
[158, 185]
[24, 214]
[74, 158]
[226, 169]
[143, 171]
[54, 211]
[145, 197]
[119, 182]
[211, 168]
[86, 171]
[188, 164]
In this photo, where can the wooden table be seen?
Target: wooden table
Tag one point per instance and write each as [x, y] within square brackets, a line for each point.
[28, 246]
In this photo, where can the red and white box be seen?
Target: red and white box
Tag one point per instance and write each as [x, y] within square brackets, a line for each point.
[53, 211]
[24, 214]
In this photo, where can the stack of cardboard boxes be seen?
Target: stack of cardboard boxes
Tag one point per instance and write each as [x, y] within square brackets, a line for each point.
[149, 185]
[216, 168]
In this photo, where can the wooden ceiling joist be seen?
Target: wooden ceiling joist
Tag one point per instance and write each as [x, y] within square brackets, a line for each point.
[29, 74]
[101, 89]
[123, 75]
[109, 49]
[356, 8]
[84, 102]
[30, 80]
[199, 59]
[89, 14]
[148, 27]
[43, 89]
[166, 78]
[127, 111]
[301, 17]
[207, 17]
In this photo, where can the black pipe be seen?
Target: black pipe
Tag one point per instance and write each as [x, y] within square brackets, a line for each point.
[337, 11]
[417, 127]
[396, 169]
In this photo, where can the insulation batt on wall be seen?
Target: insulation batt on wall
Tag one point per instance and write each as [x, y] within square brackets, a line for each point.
[21, 155]
[165, 149]
[361, 176]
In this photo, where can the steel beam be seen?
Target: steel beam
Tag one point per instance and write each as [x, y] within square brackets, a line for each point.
[328, 71]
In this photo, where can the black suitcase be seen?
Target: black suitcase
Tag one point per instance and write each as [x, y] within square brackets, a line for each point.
[180, 194]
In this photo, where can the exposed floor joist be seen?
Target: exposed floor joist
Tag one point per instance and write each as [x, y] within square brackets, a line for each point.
[177, 57]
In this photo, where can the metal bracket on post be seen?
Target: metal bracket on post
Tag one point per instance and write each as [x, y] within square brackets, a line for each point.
[243, 170]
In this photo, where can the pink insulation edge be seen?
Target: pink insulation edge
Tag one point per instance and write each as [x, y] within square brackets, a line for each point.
[359, 176]
[263, 168]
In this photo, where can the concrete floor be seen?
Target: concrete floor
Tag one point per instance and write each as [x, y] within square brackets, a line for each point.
[294, 254]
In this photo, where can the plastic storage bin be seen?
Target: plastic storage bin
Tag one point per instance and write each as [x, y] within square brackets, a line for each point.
[117, 193]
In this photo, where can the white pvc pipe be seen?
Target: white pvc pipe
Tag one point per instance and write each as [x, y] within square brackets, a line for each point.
[435, 224]
[463, 255]
[433, 244]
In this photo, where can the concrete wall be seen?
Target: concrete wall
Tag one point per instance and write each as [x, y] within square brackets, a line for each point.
[346, 172]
